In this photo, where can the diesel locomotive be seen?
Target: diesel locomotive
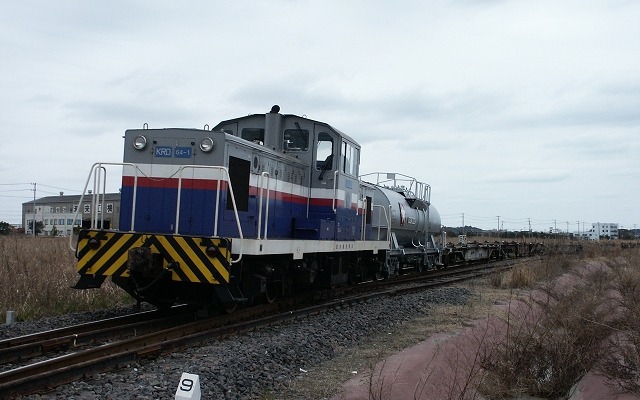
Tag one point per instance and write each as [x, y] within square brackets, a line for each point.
[254, 208]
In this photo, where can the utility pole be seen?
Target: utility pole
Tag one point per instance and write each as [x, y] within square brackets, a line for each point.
[579, 237]
[33, 224]
[463, 230]
[498, 226]
[529, 219]
[567, 229]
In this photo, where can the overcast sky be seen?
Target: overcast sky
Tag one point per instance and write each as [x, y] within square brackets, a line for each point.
[527, 110]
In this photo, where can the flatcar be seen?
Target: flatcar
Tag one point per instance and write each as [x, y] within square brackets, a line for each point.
[254, 208]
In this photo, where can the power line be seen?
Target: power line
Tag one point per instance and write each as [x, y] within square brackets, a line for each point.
[59, 188]
[15, 197]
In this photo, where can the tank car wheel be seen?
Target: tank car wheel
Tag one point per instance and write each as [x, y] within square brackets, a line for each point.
[419, 267]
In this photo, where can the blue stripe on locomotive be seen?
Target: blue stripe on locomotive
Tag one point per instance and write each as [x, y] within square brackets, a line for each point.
[156, 213]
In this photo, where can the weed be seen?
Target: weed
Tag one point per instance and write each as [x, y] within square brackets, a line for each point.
[36, 275]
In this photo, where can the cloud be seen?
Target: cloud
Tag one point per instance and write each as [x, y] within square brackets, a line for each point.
[489, 101]
[528, 176]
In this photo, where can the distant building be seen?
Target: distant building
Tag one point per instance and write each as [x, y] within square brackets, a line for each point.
[600, 230]
[58, 213]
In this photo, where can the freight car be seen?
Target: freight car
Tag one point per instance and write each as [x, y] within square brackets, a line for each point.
[257, 207]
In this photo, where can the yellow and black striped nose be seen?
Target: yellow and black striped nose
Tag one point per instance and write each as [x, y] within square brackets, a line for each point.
[190, 259]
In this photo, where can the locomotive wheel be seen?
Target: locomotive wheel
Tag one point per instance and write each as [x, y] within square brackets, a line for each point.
[229, 307]
[271, 293]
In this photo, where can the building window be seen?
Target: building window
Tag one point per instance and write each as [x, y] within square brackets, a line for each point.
[69, 221]
[109, 208]
[75, 208]
[61, 221]
[51, 209]
[87, 209]
[64, 209]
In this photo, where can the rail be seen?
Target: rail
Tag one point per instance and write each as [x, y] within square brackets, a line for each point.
[97, 171]
[80, 364]
[335, 192]
[396, 181]
[225, 173]
[266, 218]
[387, 220]
[363, 225]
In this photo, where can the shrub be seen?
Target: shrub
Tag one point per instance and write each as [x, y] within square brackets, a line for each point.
[550, 345]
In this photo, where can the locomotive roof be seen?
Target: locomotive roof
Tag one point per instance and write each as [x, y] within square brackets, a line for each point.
[289, 116]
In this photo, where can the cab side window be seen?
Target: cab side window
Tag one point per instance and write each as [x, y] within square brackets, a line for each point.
[349, 159]
[296, 140]
[255, 135]
[324, 152]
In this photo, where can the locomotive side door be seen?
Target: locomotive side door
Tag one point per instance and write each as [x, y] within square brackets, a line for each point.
[334, 183]
[323, 183]
[325, 159]
[348, 196]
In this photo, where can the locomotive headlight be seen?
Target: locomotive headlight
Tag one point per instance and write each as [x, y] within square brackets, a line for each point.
[207, 144]
[140, 142]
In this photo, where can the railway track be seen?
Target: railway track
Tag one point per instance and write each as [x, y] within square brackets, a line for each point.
[127, 343]
[24, 348]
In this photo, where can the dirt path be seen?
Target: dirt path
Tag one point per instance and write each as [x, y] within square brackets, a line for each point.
[432, 357]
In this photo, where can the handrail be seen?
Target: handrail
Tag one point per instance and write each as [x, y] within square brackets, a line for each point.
[225, 171]
[394, 180]
[387, 220]
[96, 187]
[335, 192]
[264, 174]
[98, 207]
[363, 226]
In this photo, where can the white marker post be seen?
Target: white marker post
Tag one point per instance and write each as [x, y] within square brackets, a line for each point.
[11, 318]
[189, 387]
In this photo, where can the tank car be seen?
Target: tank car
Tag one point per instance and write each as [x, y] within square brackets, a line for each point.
[411, 217]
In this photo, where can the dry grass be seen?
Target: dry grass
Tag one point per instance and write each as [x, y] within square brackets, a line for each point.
[585, 321]
[547, 349]
[36, 275]
[622, 365]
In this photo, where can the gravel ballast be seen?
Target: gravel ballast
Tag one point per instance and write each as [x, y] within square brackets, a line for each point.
[260, 364]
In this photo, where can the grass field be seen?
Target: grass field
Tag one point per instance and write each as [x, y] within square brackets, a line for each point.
[36, 275]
